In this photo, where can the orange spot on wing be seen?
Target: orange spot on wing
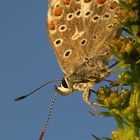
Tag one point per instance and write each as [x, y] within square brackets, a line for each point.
[51, 25]
[113, 5]
[57, 11]
[101, 1]
[67, 2]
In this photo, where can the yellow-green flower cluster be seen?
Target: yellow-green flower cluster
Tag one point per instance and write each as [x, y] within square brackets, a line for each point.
[128, 11]
[127, 49]
[126, 78]
[112, 99]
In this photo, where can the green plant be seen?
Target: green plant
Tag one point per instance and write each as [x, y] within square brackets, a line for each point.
[124, 104]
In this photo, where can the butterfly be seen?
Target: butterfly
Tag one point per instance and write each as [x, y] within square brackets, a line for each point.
[81, 32]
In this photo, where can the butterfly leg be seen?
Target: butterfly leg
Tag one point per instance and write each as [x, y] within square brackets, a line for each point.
[86, 96]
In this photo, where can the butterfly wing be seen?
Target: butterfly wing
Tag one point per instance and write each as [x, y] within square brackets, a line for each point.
[102, 28]
[63, 33]
[80, 29]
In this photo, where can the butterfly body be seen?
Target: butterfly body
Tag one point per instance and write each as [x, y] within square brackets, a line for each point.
[80, 32]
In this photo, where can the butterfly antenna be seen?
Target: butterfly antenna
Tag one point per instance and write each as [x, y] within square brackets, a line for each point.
[32, 92]
[49, 116]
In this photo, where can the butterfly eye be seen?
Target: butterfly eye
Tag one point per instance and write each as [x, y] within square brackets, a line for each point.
[106, 16]
[62, 28]
[78, 13]
[67, 53]
[70, 16]
[58, 42]
[64, 84]
[96, 18]
[83, 42]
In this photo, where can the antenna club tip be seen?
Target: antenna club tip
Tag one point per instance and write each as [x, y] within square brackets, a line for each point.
[20, 98]
[41, 136]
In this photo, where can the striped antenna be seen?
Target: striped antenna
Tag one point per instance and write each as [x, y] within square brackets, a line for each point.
[49, 116]
[32, 92]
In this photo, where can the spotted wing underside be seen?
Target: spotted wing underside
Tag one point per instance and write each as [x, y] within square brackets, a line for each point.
[80, 29]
